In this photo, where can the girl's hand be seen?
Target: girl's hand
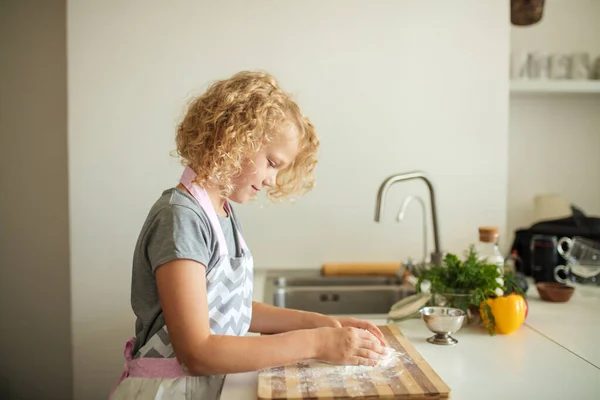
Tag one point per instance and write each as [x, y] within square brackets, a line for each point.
[348, 345]
[357, 323]
[327, 321]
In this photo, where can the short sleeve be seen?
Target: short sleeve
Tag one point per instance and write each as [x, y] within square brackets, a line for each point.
[178, 232]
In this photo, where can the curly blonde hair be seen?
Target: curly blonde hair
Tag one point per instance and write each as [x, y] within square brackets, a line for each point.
[232, 120]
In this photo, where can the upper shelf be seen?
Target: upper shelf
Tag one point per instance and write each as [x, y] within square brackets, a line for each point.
[550, 86]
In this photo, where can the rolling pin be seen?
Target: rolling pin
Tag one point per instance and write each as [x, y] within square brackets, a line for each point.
[360, 268]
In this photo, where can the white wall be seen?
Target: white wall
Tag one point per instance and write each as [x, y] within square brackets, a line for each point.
[35, 307]
[555, 138]
[391, 86]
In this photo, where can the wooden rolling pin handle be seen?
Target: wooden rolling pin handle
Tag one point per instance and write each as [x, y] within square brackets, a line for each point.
[376, 268]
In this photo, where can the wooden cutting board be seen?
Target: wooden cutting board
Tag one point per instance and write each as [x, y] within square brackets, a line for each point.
[402, 375]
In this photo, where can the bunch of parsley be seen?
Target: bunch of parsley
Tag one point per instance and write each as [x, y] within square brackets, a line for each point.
[471, 276]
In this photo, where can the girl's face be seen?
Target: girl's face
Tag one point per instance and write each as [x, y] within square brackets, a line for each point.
[261, 170]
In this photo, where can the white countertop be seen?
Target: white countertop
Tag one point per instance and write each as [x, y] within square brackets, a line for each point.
[574, 325]
[555, 355]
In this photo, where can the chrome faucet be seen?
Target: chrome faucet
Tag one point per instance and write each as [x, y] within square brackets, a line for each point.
[436, 256]
[400, 217]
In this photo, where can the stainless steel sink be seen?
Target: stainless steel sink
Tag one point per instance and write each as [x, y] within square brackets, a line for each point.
[309, 291]
[290, 281]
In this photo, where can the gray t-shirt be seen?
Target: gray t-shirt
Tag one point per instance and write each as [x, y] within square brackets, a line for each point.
[176, 227]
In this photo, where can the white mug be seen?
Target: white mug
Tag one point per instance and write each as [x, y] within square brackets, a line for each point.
[519, 65]
[559, 66]
[595, 69]
[539, 64]
[580, 66]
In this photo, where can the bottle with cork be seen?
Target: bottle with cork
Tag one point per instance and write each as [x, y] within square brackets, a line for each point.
[487, 248]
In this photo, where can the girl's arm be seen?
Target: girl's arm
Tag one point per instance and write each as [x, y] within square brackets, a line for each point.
[271, 319]
[182, 292]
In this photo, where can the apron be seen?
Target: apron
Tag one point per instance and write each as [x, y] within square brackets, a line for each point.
[149, 375]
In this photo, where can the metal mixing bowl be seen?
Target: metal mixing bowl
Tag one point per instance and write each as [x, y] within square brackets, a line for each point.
[443, 321]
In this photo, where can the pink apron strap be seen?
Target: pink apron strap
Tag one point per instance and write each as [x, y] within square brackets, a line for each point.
[129, 349]
[147, 367]
[187, 179]
[128, 356]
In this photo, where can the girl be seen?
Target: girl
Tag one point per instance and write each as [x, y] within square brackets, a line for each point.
[192, 271]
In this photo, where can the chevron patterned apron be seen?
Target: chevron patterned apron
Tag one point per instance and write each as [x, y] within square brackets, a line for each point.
[154, 372]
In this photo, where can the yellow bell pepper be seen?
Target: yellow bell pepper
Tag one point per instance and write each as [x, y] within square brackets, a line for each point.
[509, 312]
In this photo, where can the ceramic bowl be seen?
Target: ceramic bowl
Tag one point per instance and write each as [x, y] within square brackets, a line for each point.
[554, 291]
